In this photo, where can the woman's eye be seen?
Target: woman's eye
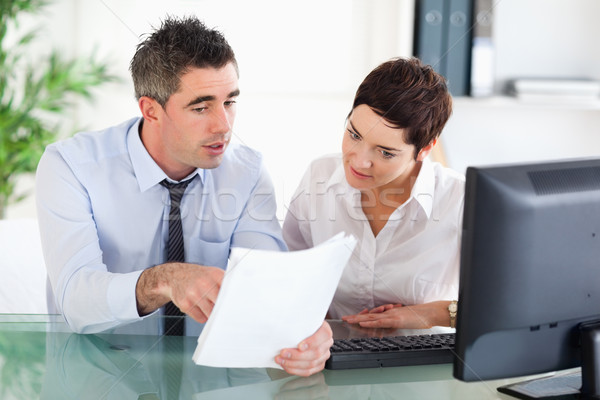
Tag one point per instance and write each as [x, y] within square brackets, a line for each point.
[387, 154]
[353, 135]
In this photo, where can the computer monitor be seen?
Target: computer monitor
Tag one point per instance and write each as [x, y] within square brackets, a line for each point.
[530, 272]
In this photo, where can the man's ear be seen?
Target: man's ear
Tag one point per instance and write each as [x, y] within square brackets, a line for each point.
[151, 110]
[425, 151]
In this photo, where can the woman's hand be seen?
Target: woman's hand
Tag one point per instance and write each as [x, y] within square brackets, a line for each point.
[419, 316]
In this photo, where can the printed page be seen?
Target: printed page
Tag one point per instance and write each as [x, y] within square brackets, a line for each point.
[269, 301]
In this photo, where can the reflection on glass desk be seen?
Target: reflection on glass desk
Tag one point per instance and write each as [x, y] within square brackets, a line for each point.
[41, 359]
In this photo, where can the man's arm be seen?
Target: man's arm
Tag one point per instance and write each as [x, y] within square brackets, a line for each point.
[193, 288]
[90, 298]
[258, 226]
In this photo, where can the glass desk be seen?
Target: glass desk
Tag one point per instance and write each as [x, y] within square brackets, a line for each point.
[40, 358]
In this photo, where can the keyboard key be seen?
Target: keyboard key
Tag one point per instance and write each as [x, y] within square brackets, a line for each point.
[391, 351]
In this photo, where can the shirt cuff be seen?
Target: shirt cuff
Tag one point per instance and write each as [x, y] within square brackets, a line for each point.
[121, 298]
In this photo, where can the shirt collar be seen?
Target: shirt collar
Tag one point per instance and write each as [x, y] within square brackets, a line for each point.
[422, 191]
[338, 176]
[146, 171]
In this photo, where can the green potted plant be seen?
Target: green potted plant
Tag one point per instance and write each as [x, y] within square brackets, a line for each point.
[35, 96]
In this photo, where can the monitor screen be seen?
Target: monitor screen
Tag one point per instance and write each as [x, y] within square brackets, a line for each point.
[530, 268]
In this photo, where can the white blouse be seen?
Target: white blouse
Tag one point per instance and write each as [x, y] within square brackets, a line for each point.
[415, 257]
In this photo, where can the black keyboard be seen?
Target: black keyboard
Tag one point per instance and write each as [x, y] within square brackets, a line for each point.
[391, 351]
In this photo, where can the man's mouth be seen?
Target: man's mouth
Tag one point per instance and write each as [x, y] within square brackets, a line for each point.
[215, 148]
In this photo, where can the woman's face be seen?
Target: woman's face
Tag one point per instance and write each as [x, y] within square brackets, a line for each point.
[375, 154]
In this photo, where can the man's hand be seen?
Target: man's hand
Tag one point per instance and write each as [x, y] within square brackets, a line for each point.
[310, 355]
[191, 287]
[306, 388]
[420, 316]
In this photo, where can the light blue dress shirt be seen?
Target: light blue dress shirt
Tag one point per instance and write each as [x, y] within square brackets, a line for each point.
[103, 219]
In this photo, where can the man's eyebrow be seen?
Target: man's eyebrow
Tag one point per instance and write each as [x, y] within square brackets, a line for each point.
[202, 99]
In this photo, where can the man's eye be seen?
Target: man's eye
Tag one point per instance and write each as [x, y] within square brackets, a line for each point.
[230, 102]
[199, 109]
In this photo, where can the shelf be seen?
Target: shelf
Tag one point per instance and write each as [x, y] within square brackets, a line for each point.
[541, 103]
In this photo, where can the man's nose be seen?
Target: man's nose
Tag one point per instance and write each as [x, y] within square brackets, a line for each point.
[221, 121]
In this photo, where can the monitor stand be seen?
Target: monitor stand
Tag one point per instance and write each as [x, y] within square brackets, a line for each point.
[581, 385]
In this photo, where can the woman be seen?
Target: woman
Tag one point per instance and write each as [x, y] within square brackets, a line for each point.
[405, 210]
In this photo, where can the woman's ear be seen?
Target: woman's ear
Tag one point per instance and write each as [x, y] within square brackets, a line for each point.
[425, 151]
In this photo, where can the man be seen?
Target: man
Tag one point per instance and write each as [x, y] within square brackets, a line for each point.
[105, 199]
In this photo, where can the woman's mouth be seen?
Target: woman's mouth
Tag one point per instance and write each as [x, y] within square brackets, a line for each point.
[358, 174]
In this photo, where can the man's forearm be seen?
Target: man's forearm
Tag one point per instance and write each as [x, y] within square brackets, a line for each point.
[151, 289]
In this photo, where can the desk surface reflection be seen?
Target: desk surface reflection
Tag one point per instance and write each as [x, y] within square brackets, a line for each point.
[41, 359]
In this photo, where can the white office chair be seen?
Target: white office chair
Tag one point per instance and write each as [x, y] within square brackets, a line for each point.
[22, 269]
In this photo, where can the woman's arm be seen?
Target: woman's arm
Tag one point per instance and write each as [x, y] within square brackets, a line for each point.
[419, 316]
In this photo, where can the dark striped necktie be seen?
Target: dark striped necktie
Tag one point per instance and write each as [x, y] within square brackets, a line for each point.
[175, 251]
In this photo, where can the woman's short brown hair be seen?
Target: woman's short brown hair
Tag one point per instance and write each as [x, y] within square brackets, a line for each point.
[408, 95]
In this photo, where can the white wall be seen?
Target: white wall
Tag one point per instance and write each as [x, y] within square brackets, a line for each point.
[532, 38]
[301, 62]
[501, 130]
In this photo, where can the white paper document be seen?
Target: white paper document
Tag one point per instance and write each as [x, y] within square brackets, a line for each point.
[269, 301]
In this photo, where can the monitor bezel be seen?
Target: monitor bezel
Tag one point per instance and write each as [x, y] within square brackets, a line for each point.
[492, 330]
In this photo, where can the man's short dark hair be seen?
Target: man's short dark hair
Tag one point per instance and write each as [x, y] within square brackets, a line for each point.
[170, 51]
[408, 95]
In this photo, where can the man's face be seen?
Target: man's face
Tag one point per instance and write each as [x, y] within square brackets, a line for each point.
[196, 123]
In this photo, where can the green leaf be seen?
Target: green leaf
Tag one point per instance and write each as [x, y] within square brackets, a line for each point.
[30, 91]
